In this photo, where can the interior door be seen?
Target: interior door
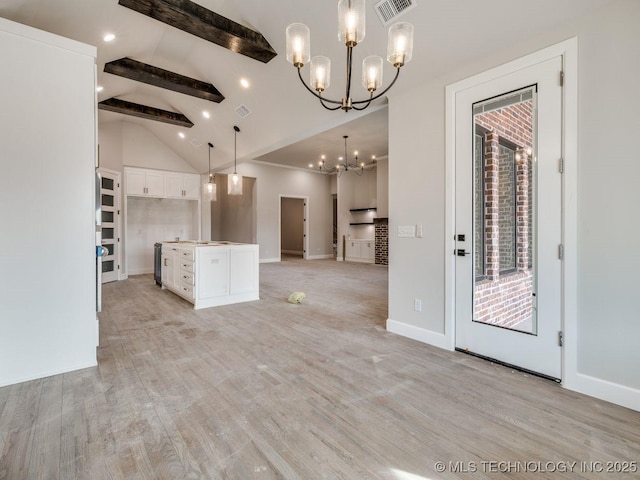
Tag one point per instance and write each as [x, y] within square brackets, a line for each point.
[110, 216]
[509, 219]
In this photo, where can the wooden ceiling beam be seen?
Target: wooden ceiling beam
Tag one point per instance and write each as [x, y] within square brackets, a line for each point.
[201, 22]
[144, 111]
[142, 72]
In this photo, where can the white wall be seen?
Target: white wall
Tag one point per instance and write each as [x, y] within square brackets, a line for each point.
[150, 220]
[48, 319]
[608, 171]
[272, 182]
[382, 187]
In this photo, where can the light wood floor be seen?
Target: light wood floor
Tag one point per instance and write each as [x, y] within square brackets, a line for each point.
[270, 390]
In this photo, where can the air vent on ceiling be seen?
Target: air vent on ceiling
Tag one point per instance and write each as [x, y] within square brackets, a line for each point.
[389, 10]
[195, 143]
[243, 111]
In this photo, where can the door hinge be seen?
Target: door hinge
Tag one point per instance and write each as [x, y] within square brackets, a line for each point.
[561, 165]
[561, 252]
[561, 78]
[560, 338]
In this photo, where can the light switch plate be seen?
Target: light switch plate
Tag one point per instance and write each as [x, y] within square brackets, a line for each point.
[419, 230]
[407, 231]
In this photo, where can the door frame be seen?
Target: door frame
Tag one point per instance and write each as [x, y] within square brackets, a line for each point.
[305, 221]
[568, 49]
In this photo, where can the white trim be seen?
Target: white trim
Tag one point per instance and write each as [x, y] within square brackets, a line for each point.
[73, 367]
[605, 390]
[140, 271]
[416, 333]
[270, 260]
[325, 256]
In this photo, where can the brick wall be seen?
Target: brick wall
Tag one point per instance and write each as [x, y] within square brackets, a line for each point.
[381, 226]
[504, 285]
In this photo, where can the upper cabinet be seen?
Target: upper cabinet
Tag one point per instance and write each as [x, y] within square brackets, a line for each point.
[158, 184]
[182, 185]
[145, 183]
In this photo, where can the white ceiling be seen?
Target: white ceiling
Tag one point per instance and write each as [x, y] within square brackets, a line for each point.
[286, 125]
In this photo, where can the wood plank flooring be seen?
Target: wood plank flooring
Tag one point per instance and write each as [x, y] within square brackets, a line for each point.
[271, 390]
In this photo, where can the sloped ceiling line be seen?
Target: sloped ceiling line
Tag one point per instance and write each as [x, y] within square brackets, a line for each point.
[201, 22]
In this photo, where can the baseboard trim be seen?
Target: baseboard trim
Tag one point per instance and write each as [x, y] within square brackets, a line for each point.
[320, 257]
[139, 271]
[420, 334]
[49, 373]
[604, 390]
[270, 260]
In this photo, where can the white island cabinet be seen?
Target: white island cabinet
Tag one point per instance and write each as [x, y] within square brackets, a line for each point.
[209, 274]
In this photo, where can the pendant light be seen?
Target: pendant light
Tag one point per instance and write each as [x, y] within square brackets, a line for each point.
[234, 185]
[210, 187]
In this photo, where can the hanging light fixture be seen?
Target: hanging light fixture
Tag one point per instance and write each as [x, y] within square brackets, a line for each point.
[356, 166]
[210, 188]
[234, 182]
[351, 31]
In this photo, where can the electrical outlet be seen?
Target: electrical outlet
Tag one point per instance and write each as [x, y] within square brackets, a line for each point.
[417, 305]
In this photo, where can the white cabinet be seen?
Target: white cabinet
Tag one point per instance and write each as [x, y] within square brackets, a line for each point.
[213, 273]
[360, 251]
[145, 183]
[210, 275]
[182, 185]
[169, 255]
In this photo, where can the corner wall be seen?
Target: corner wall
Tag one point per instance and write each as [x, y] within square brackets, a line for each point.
[608, 326]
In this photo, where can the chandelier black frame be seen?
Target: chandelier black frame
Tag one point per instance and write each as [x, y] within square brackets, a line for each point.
[351, 20]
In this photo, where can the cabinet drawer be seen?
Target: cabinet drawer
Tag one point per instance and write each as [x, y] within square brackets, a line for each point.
[186, 266]
[186, 255]
[186, 278]
[187, 291]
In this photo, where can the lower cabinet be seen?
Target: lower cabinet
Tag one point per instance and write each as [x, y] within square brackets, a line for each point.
[359, 250]
[211, 275]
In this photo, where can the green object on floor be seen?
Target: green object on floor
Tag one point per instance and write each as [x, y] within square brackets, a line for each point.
[296, 297]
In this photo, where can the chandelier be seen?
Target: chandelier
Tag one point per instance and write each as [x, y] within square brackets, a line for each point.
[357, 167]
[351, 31]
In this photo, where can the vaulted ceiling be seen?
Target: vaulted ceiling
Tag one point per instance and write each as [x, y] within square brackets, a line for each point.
[286, 124]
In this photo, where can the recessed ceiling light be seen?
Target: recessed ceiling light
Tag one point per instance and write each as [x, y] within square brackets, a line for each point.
[99, 88]
[109, 37]
[206, 114]
[244, 82]
[311, 165]
[181, 135]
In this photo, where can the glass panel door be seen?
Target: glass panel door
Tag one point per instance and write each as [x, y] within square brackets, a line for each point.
[504, 152]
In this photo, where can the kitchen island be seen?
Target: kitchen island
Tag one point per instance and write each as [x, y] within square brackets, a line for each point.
[211, 273]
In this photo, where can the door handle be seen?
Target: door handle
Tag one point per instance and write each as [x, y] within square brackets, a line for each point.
[461, 252]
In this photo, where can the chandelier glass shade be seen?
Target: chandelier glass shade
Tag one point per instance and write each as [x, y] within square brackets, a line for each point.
[351, 31]
[210, 189]
[234, 181]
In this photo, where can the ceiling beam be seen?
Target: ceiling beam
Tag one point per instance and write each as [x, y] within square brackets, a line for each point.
[201, 22]
[142, 72]
[144, 111]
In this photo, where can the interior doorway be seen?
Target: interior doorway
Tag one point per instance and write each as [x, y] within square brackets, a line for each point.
[293, 227]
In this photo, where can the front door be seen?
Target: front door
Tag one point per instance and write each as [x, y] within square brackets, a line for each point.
[509, 219]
